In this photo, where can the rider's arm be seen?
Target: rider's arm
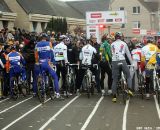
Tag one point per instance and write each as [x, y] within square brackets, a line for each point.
[36, 55]
[65, 54]
[128, 54]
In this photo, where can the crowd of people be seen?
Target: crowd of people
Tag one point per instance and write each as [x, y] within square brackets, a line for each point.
[21, 52]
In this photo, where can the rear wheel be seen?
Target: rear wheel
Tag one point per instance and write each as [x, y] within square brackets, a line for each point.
[15, 88]
[40, 91]
[141, 85]
[50, 89]
[87, 86]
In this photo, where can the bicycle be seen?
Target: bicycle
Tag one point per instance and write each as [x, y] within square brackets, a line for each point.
[122, 84]
[70, 78]
[89, 79]
[44, 87]
[156, 83]
[19, 86]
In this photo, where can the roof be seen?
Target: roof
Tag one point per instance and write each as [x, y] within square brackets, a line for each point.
[63, 9]
[4, 7]
[74, 9]
[151, 6]
[89, 5]
[36, 7]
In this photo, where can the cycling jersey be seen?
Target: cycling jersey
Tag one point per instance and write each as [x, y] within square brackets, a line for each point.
[43, 51]
[105, 51]
[87, 54]
[119, 49]
[147, 52]
[60, 52]
[136, 54]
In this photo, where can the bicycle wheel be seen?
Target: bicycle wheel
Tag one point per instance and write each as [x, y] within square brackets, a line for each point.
[141, 85]
[124, 93]
[87, 86]
[15, 88]
[24, 88]
[50, 89]
[40, 91]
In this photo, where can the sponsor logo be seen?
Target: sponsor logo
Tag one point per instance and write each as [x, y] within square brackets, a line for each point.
[109, 20]
[101, 20]
[96, 15]
[114, 14]
[118, 20]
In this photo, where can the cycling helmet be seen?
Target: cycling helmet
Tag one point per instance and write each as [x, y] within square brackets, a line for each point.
[150, 39]
[67, 40]
[62, 37]
[44, 35]
[118, 35]
[139, 45]
[13, 47]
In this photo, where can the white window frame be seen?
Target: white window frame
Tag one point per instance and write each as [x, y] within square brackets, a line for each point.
[136, 24]
[138, 10]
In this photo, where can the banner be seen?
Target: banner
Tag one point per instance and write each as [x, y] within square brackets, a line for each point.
[105, 17]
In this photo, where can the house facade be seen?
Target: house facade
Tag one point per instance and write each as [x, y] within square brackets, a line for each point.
[141, 17]
[7, 17]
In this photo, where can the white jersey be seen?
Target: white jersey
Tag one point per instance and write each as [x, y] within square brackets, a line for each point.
[60, 52]
[119, 49]
[136, 54]
[87, 54]
[148, 51]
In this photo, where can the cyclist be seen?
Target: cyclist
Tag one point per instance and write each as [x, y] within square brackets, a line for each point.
[105, 64]
[147, 57]
[86, 56]
[119, 49]
[60, 54]
[15, 66]
[43, 58]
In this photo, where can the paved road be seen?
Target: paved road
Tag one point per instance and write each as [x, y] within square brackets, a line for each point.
[80, 113]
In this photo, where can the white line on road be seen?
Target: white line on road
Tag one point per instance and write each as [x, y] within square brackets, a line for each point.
[157, 106]
[4, 100]
[14, 105]
[59, 112]
[13, 122]
[125, 116]
[92, 114]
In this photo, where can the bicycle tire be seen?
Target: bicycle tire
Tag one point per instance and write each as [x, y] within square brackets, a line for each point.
[124, 93]
[15, 88]
[141, 85]
[92, 88]
[40, 92]
[50, 89]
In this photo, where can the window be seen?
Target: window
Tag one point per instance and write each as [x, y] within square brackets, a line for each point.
[136, 10]
[123, 25]
[43, 26]
[121, 8]
[136, 24]
[5, 24]
[34, 26]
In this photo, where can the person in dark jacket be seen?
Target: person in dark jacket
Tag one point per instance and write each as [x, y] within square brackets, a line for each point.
[96, 60]
[28, 54]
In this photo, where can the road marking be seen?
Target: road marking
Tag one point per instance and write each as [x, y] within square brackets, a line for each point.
[4, 100]
[92, 114]
[59, 112]
[14, 105]
[157, 106]
[125, 116]
[13, 122]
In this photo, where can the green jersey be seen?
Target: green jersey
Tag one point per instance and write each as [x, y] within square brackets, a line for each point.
[105, 51]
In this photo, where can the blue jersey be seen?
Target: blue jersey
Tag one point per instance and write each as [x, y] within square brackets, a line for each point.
[15, 59]
[44, 50]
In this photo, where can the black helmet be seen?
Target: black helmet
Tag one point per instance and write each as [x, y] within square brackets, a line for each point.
[118, 35]
[150, 39]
